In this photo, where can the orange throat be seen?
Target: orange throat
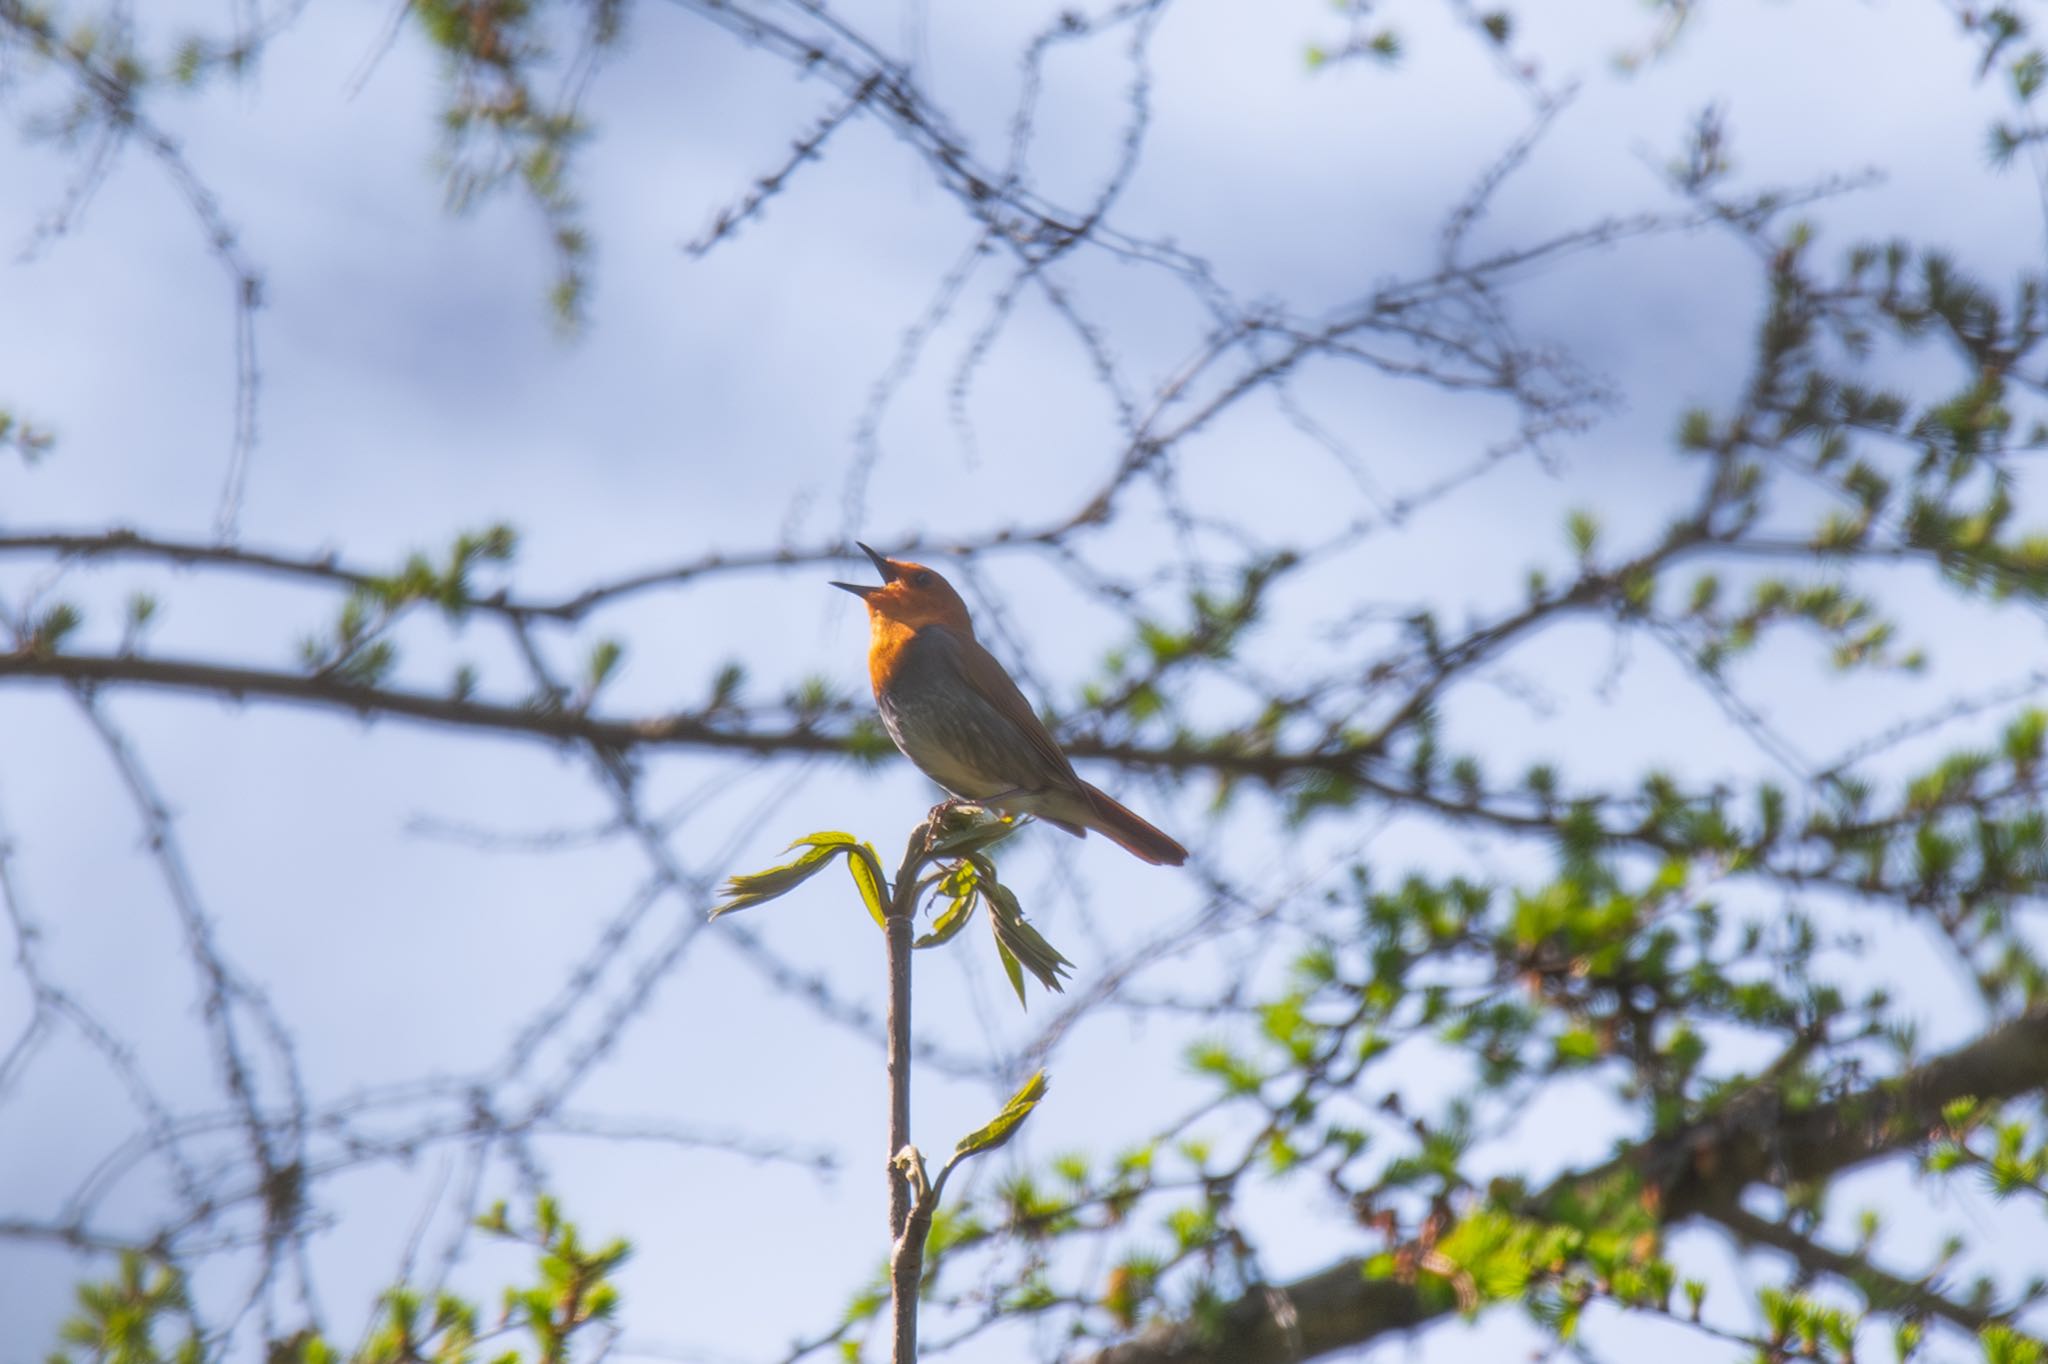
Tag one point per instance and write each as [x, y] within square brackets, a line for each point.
[887, 639]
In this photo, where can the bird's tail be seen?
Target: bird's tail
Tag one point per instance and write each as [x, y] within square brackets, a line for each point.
[1137, 837]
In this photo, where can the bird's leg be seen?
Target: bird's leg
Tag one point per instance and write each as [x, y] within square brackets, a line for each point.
[937, 817]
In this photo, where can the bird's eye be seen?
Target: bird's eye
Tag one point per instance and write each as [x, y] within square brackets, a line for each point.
[921, 580]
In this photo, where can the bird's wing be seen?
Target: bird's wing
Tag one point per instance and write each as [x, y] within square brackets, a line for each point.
[992, 684]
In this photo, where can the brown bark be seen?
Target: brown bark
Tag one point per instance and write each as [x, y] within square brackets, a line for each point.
[1700, 1172]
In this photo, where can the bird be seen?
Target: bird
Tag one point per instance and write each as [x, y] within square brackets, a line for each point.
[955, 712]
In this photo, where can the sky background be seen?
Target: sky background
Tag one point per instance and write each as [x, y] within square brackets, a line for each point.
[412, 387]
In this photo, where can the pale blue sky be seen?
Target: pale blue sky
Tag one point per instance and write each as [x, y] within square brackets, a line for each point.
[412, 388]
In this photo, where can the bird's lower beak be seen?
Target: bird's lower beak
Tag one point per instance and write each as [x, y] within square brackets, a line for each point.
[882, 566]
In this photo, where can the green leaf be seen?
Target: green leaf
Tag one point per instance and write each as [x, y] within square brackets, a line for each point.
[1578, 1046]
[949, 924]
[961, 884]
[726, 686]
[1010, 967]
[1019, 943]
[866, 866]
[1583, 530]
[1004, 1125]
[1696, 430]
[2003, 1345]
[49, 631]
[604, 659]
[1212, 1057]
[746, 890]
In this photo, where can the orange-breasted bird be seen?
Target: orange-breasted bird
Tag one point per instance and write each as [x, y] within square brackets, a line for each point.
[954, 712]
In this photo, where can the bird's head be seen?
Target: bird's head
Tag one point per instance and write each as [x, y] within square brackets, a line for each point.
[911, 595]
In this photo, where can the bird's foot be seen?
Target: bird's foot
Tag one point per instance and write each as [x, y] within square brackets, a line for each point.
[935, 821]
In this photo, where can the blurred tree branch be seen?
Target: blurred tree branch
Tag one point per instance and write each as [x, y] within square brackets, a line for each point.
[1699, 1172]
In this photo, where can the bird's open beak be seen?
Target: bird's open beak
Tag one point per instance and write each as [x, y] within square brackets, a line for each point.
[882, 566]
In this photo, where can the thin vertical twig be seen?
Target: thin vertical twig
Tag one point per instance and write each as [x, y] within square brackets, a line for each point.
[906, 1263]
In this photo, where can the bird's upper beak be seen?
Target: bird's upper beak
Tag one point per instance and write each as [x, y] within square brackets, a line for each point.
[882, 566]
